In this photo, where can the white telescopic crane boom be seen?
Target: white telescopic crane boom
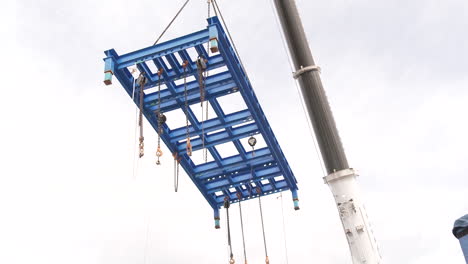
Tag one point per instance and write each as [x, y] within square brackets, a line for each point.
[341, 178]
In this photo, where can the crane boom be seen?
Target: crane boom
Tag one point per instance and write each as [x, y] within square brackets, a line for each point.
[341, 178]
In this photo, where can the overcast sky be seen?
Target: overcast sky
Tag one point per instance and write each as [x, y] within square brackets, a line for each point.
[396, 75]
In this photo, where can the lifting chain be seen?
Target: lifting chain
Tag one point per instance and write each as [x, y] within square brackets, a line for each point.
[201, 68]
[161, 119]
[202, 71]
[226, 205]
[189, 145]
[141, 81]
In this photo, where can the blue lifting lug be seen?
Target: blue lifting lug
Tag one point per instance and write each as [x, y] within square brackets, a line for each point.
[108, 70]
[214, 45]
[213, 31]
[295, 199]
[216, 218]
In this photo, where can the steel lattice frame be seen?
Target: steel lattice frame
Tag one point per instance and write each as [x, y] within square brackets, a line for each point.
[223, 177]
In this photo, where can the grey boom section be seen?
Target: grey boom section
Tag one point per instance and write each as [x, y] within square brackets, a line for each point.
[313, 93]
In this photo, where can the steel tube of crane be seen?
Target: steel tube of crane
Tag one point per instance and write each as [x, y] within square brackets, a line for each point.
[340, 179]
[313, 93]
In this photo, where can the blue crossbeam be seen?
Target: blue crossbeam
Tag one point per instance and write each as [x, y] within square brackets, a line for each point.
[248, 174]
[221, 137]
[212, 168]
[212, 125]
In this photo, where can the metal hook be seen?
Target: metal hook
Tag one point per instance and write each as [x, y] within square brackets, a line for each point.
[159, 153]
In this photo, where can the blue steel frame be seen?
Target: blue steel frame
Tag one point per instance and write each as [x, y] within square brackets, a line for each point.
[223, 177]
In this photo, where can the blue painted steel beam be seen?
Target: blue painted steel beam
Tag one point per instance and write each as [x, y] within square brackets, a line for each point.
[283, 186]
[212, 125]
[238, 179]
[186, 163]
[162, 49]
[249, 97]
[219, 112]
[220, 137]
[229, 175]
[172, 90]
[211, 169]
[214, 63]
[212, 82]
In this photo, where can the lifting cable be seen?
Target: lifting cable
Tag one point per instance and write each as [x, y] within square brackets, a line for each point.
[239, 196]
[284, 230]
[226, 205]
[267, 261]
[218, 10]
[147, 240]
[170, 23]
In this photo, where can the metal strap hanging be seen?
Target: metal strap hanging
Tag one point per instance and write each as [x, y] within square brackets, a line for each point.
[226, 205]
[141, 81]
[239, 196]
[259, 192]
[177, 160]
[189, 145]
[161, 119]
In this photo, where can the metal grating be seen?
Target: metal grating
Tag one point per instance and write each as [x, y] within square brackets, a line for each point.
[267, 168]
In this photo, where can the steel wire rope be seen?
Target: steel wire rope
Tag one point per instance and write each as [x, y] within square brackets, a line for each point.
[147, 239]
[263, 226]
[170, 23]
[242, 226]
[284, 230]
[243, 67]
[218, 10]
